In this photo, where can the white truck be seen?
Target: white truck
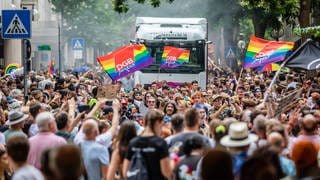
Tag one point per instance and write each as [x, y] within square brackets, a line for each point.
[187, 33]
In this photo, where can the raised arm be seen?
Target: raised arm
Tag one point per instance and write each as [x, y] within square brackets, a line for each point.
[116, 116]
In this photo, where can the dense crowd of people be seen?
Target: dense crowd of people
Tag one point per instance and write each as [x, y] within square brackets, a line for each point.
[234, 128]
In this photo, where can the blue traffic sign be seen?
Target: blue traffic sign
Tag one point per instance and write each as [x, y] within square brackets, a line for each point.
[77, 43]
[230, 52]
[16, 24]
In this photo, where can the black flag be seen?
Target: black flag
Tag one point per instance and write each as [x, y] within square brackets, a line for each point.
[306, 57]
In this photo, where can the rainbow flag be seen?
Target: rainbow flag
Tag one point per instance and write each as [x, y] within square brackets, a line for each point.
[125, 60]
[261, 51]
[272, 67]
[11, 67]
[173, 57]
[269, 67]
[51, 69]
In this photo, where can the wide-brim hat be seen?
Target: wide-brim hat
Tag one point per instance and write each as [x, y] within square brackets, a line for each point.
[15, 117]
[238, 136]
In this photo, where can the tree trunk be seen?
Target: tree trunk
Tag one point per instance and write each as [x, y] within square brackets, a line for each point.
[304, 16]
[230, 27]
[259, 25]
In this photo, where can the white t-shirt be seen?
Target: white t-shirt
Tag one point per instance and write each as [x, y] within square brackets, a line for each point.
[104, 139]
[27, 172]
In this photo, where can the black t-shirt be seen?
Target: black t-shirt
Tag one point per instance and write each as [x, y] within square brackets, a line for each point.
[186, 168]
[178, 140]
[153, 149]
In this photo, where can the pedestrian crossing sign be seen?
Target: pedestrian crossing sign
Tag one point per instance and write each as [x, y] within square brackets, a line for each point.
[77, 43]
[16, 24]
[230, 52]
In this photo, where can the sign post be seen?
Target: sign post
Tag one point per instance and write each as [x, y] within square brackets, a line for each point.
[78, 46]
[16, 24]
[230, 55]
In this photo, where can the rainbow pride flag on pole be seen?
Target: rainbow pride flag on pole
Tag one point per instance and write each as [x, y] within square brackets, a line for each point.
[51, 69]
[173, 57]
[261, 51]
[125, 60]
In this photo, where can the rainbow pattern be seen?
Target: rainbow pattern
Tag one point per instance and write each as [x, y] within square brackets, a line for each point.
[261, 51]
[51, 69]
[269, 67]
[125, 60]
[272, 67]
[173, 57]
[11, 67]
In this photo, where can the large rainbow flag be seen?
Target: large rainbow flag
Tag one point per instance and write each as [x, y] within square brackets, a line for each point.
[125, 60]
[261, 51]
[173, 57]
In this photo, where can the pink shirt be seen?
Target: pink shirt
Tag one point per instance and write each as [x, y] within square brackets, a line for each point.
[41, 142]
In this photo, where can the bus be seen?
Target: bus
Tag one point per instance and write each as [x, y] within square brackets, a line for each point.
[187, 33]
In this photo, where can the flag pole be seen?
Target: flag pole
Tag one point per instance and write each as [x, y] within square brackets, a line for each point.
[273, 81]
[281, 66]
[241, 71]
[158, 74]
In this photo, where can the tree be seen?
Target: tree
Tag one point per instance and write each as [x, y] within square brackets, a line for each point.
[270, 13]
[122, 6]
[95, 21]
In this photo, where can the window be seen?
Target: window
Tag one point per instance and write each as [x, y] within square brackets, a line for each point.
[196, 60]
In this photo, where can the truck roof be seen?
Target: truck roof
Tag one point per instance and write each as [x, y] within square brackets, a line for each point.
[157, 20]
[150, 28]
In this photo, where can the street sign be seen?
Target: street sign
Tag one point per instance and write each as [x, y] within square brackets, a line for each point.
[230, 52]
[77, 54]
[16, 24]
[77, 43]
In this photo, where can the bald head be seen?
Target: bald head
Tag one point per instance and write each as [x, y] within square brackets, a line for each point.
[276, 140]
[309, 123]
[90, 128]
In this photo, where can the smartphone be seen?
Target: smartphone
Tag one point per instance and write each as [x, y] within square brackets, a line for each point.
[82, 108]
[109, 103]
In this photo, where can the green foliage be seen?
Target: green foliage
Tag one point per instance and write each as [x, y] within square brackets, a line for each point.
[246, 27]
[122, 6]
[273, 12]
[95, 21]
[308, 31]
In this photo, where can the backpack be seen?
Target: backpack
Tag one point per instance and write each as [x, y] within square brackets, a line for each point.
[137, 168]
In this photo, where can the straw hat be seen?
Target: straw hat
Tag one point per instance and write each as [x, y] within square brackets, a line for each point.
[238, 136]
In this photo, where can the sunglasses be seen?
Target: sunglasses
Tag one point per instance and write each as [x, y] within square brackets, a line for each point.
[151, 101]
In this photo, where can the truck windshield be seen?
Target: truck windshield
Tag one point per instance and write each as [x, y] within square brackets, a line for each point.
[196, 60]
